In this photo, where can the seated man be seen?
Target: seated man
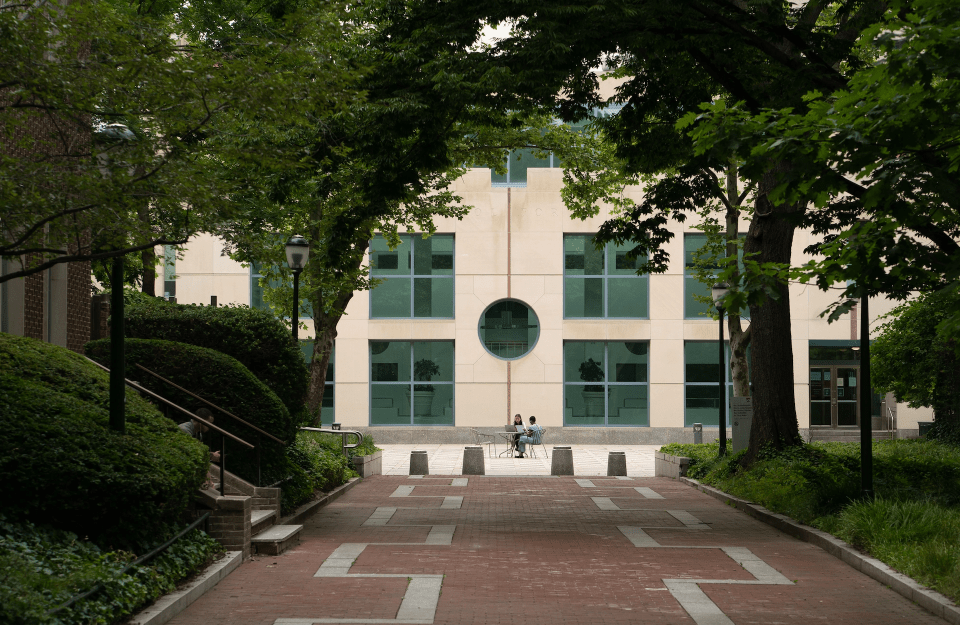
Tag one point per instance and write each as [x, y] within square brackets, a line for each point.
[196, 429]
[531, 435]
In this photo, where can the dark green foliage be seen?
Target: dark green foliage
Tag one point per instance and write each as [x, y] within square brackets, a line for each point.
[41, 569]
[320, 465]
[60, 464]
[220, 379]
[913, 524]
[254, 337]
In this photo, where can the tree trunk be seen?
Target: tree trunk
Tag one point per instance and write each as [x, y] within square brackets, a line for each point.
[774, 404]
[149, 280]
[739, 339]
[322, 350]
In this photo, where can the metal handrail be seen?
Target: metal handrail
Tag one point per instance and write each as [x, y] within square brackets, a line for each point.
[141, 560]
[893, 421]
[343, 433]
[209, 403]
[223, 450]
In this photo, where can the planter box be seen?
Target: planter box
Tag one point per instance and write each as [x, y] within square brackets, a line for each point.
[369, 465]
[670, 466]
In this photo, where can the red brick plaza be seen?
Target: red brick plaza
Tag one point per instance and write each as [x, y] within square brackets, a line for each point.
[544, 550]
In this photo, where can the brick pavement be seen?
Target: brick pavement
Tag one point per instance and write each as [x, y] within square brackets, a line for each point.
[544, 550]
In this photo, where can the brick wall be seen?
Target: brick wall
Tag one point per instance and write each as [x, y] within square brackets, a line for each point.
[229, 524]
[78, 306]
[33, 299]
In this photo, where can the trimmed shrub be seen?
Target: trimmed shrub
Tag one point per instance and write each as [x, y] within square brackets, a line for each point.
[254, 337]
[222, 380]
[61, 465]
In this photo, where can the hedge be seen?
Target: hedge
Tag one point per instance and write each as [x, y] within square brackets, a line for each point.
[61, 465]
[222, 380]
[254, 337]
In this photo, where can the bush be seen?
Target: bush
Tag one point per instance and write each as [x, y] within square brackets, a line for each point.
[254, 337]
[222, 380]
[60, 464]
[322, 466]
[42, 569]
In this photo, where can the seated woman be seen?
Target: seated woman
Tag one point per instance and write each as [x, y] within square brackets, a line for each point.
[518, 426]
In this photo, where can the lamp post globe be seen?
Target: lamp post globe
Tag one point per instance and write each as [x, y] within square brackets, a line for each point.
[719, 292]
[298, 251]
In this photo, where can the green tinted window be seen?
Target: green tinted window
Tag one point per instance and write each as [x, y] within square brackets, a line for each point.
[411, 383]
[701, 387]
[602, 283]
[417, 277]
[606, 383]
[509, 329]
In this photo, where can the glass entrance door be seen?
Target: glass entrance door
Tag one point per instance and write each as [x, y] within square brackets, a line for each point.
[834, 400]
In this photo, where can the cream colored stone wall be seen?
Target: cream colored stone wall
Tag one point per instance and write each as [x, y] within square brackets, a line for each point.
[511, 244]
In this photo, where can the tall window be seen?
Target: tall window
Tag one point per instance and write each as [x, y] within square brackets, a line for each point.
[518, 162]
[411, 383]
[691, 286]
[169, 271]
[327, 414]
[606, 383]
[417, 277]
[602, 283]
[701, 376]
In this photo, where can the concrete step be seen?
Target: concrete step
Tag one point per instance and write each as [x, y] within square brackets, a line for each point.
[261, 520]
[276, 539]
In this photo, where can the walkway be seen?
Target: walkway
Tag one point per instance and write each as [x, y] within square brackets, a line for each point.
[587, 459]
[544, 551]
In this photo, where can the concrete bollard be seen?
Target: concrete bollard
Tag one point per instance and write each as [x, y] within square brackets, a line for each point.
[697, 433]
[473, 460]
[418, 463]
[562, 463]
[617, 463]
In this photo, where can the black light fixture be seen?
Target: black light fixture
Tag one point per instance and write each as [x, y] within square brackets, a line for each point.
[298, 251]
[719, 292]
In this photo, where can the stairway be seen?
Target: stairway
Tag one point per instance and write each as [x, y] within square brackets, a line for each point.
[251, 516]
[848, 436]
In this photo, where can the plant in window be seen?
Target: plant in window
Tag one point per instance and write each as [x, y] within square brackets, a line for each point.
[592, 371]
[424, 370]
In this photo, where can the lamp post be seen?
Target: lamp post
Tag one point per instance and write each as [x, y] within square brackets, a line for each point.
[866, 401]
[298, 250]
[719, 291]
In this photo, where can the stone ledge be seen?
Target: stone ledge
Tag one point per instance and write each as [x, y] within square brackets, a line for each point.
[673, 467]
[930, 600]
[172, 604]
[306, 510]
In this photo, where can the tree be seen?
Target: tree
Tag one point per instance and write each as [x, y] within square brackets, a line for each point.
[913, 358]
[876, 159]
[675, 56]
[107, 144]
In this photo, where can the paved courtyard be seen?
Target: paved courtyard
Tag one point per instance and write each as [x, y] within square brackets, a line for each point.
[588, 460]
[452, 550]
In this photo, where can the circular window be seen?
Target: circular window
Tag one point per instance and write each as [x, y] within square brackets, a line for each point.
[509, 329]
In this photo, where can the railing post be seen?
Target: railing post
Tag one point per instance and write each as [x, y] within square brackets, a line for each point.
[223, 460]
[259, 444]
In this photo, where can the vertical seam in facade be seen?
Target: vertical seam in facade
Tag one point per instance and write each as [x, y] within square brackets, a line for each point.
[853, 323]
[509, 231]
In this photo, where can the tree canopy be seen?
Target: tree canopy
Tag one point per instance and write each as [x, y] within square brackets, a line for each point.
[114, 114]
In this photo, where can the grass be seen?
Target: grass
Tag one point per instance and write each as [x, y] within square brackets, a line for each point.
[912, 524]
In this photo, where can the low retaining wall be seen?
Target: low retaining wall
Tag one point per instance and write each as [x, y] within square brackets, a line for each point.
[369, 465]
[554, 436]
[666, 465]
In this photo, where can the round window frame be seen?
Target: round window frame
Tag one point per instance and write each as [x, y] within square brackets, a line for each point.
[484, 314]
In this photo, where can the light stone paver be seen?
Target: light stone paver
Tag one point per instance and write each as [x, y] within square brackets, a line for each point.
[588, 460]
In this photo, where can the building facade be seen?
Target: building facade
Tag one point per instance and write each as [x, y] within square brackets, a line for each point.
[512, 310]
